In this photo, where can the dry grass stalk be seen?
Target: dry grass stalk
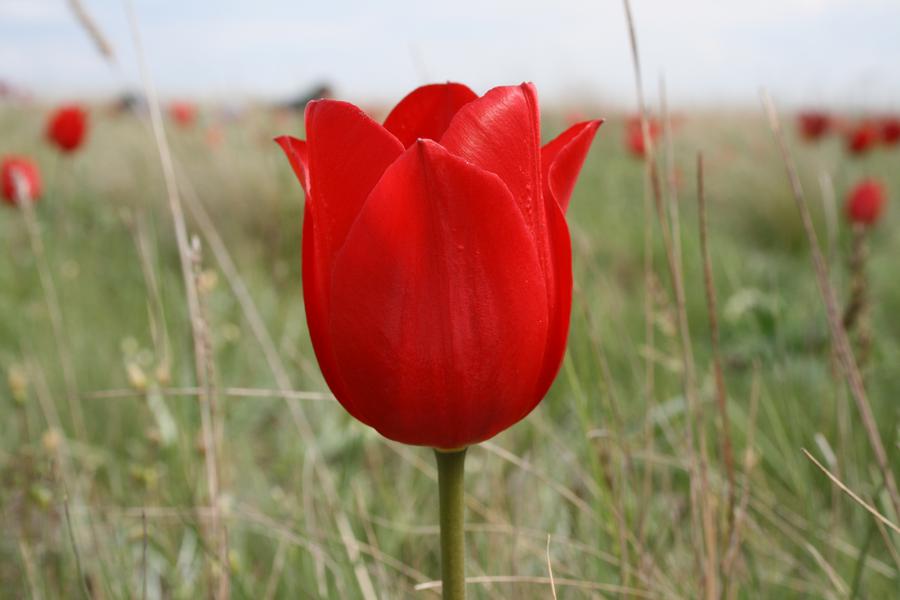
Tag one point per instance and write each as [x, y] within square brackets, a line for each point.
[852, 494]
[282, 380]
[546, 581]
[701, 511]
[740, 514]
[93, 31]
[187, 392]
[550, 570]
[201, 360]
[711, 305]
[838, 333]
[51, 299]
[856, 313]
[210, 430]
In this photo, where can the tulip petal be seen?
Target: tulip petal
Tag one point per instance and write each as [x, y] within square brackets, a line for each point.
[500, 132]
[562, 158]
[426, 111]
[296, 153]
[559, 298]
[346, 153]
[438, 304]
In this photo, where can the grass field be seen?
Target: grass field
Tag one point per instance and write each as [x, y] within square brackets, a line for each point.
[104, 473]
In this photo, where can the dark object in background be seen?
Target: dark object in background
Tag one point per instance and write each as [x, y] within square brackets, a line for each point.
[299, 102]
[128, 103]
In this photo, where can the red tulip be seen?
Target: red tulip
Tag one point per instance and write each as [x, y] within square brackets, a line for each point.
[215, 136]
[67, 127]
[183, 113]
[436, 258]
[890, 131]
[20, 180]
[865, 202]
[634, 135]
[862, 138]
[813, 124]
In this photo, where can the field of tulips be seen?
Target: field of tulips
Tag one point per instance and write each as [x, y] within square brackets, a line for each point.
[710, 432]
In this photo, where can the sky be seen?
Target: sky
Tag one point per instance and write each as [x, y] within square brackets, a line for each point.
[709, 52]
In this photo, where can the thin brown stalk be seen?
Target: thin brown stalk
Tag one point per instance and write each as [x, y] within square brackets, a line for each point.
[701, 516]
[839, 585]
[51, 299]
[671, 173]
[850, 368]
[63, 467]
[168, 169]
[71, 531]
[283, 382]
[888, 542]
[851, 493]
[550, 570]
[545, 581]
[14, 529]
[721, 392]
[156, 309]
[277, 570]
[856, 313]
[232, 392]
[734, 542]
[93, 30]
[829, 207]
[144, 540]
[210, 431]
[201, 360]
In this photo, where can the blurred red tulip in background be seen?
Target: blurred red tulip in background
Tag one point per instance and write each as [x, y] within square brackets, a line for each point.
[437, 267]
[890, 131]
[183, 113]
[215, 136]
[862, 138]
[67, 127]
[634, 136]
[20, 180]
[813, 124]
[865, 202]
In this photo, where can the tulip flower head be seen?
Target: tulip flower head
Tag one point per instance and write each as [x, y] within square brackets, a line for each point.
[862, 138]
[634, 135]
[183, 113]
[813, 124]
[437, 270]
[865, 203]
[890, 131]
[67, 127]
[20, 180]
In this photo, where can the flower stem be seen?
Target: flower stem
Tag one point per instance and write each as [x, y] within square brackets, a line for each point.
[451, 467]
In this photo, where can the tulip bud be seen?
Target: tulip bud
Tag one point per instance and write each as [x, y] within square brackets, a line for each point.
[20, 180]
[66, 128]
[865, 202]
[437, 269]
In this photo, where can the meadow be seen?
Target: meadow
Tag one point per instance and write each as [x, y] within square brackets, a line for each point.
[106, 448]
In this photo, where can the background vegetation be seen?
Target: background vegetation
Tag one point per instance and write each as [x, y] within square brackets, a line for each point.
[104, 476]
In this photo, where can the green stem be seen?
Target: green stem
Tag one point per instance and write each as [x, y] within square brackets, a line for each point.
[451, 468]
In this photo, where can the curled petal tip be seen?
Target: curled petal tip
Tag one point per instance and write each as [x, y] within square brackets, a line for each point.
[296, 153]
[562, 158]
